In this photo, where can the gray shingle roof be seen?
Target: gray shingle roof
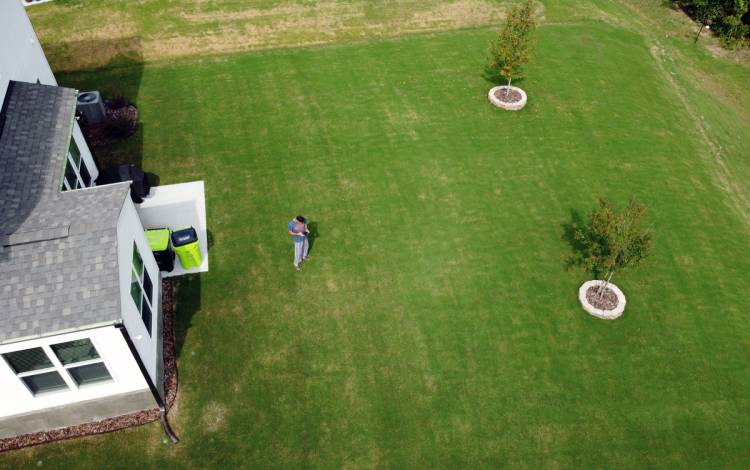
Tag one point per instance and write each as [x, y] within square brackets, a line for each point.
[58, 250]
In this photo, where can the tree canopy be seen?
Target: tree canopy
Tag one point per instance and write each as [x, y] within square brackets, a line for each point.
[511, 50]
[613, 239]
[729, 18]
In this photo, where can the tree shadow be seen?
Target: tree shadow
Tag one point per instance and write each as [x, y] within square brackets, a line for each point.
[491, 76]
[187, 303]
[576, 247]
[312, 227]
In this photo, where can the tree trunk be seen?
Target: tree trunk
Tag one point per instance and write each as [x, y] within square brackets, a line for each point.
[507, 90]
[699, 32]
[606, 283]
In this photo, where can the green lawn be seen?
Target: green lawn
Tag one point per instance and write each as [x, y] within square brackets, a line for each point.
[437, 325]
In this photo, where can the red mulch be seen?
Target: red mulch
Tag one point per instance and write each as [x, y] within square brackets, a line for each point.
[119, 422]
[506, 96]
[608, 300]
[101, 134]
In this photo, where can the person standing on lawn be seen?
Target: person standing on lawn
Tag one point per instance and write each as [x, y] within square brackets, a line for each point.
[297, 228]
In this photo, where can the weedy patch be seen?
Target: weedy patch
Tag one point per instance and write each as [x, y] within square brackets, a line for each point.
[189, 28]
[214, 416]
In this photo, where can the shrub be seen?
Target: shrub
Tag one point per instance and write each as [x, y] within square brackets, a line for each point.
[120, 125]
[729, 18]
[118, 102]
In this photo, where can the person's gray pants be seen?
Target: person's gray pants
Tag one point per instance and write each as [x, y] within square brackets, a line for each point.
[300, 251]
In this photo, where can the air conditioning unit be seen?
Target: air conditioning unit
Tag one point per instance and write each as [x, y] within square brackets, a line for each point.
[91, 106]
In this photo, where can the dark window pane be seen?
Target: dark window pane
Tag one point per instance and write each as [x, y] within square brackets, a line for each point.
[46, 382]
[75, 152]
[85, 175]
[75, 351]
[70, 175]
[90, 374]
[28, 360]
[146, 315]
[137, 261]
[148, 288]
[63, 187]
[135, 291]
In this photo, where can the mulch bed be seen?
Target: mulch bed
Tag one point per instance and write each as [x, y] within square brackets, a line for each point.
[119, 422]
[170, 350]
[608, 300]
[512, 96]
[103, 134]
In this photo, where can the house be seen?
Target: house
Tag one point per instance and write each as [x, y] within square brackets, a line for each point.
[80, 291]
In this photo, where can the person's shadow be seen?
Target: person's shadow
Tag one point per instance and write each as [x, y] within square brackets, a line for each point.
[313, 234]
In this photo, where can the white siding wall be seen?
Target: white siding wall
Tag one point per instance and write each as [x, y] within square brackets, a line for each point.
[129, 231]
[22, 59]
[108, 341]
[21, 56]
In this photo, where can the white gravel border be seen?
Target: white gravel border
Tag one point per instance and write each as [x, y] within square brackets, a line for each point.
[507, 106]
[597, 312]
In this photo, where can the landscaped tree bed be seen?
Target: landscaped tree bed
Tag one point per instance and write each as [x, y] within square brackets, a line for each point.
[510, 98]
[607, 304]
[606, 300]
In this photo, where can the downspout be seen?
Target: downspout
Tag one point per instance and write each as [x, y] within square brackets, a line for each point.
[151, 386]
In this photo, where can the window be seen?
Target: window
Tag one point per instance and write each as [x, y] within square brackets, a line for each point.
[82, 362]
[35, 370]
[45, 369]
[141, 288]
[76, 174]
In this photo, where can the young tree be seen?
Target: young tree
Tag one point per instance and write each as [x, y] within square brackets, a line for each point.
[511, 51]
[613, 240]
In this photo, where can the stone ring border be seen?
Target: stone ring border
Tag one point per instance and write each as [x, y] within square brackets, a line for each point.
[507, 106]
[597, 312]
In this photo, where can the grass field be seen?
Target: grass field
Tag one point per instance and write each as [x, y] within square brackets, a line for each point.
[437, 325]
[93, 33]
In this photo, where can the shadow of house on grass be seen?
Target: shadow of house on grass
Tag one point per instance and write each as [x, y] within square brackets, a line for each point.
[187, 304]
[113, 67]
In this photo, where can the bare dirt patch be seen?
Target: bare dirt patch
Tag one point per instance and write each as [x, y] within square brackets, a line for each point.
[740, 55]
[84, 42]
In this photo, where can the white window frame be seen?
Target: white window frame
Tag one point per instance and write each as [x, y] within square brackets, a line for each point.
[62, 370]
[143, 296]
[70, 160]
